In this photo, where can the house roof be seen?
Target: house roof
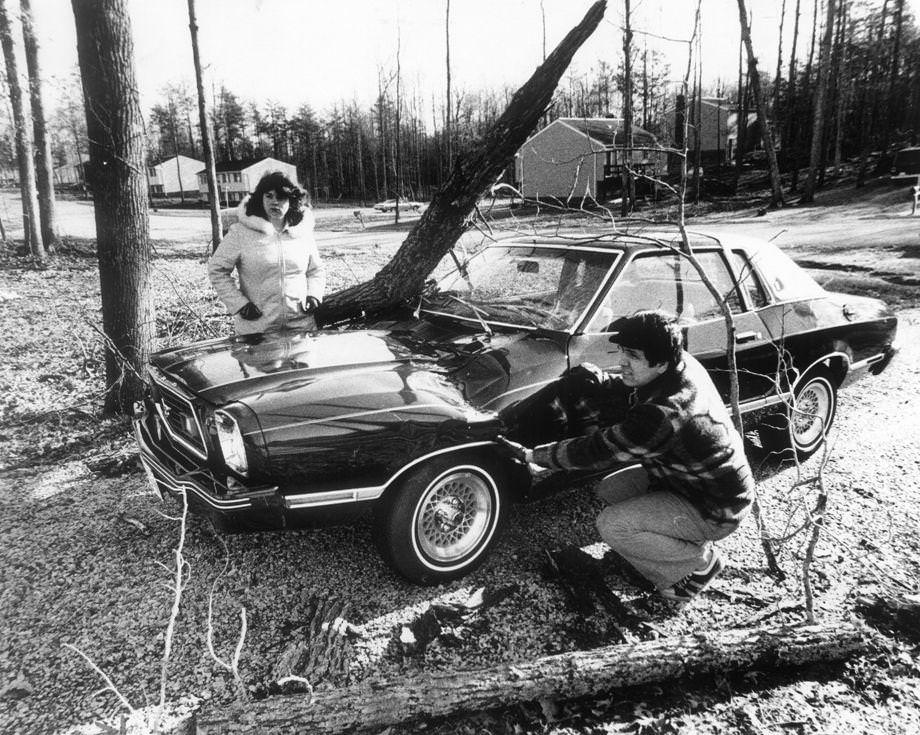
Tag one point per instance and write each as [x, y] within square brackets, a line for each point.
[608, 130]
[605, 131]
[245, 163]
[172, 159]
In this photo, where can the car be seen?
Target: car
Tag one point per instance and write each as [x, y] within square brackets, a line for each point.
[905, 166]
[401, 413]
[389, 205]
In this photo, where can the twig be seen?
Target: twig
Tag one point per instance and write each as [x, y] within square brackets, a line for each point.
[177, 588]
[233, 665]
[108, 682]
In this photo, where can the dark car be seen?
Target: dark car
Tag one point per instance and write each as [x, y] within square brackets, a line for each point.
[401, 415]
[905, 165]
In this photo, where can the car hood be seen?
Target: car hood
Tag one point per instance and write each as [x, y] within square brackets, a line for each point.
[357, 369]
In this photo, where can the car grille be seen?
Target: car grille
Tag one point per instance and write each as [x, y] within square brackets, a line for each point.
[177, 413]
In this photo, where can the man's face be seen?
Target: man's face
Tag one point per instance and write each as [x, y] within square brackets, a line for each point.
[636, 370]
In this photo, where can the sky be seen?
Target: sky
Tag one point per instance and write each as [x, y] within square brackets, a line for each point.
[323, 52]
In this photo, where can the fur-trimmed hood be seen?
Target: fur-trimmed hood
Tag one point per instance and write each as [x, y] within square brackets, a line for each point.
[260, 224]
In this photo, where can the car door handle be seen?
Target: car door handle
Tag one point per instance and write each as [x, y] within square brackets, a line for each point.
[742, 337]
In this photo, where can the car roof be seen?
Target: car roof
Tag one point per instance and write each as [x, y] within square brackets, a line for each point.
[637, 240]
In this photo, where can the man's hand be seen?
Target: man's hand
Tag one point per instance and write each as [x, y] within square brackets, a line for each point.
[587, 376]
[517, 452]
[250, 312]
[310, 304]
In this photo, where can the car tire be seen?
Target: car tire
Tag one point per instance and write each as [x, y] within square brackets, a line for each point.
[816, 406]
[439, 521]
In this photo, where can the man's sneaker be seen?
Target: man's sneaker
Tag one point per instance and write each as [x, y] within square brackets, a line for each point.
[690, 586]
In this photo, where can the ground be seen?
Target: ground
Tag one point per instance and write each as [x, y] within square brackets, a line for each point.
[84, 539]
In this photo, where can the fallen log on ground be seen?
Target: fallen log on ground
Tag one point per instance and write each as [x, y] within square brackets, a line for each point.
[378, 702]
[898, 614]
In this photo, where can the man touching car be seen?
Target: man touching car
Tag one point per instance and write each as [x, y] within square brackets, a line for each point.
[692, 485]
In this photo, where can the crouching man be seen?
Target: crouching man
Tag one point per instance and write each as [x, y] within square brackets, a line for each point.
[693, 485]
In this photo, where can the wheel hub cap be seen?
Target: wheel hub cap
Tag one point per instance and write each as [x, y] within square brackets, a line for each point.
[454, 516]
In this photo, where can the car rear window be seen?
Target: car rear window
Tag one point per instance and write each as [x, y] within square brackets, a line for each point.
[783, 276]
[750, 282]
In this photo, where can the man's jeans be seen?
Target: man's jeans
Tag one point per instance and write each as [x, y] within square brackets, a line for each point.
[662, 535]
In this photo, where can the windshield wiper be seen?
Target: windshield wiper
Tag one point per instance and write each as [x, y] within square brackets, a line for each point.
[527, 311]
[478, 312]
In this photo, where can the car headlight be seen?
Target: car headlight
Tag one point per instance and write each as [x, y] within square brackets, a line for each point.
[231, 443]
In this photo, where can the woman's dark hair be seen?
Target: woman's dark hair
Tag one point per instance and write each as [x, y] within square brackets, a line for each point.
[654, 332]
[283, 187]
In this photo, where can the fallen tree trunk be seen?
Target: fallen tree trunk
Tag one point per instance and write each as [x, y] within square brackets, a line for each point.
[377, 703]
[445, 219]
[898, 614]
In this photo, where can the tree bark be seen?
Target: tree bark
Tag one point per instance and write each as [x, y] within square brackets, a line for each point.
[892, 116]
[44, 170]
[779, 61]
[628, 199]
[204, 123]
[448, 135]
[789, 117]
[115, 129]
[776, 189]
[32, 230]
[817, 134]
[377, 703]
[445, 220]
[397, 159]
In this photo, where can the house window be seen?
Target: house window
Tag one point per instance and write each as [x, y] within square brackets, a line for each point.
[237, 176]
[152, 173]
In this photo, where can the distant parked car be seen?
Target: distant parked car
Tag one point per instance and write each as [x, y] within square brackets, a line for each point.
[389, 205]
[399, 414]
[906, 164]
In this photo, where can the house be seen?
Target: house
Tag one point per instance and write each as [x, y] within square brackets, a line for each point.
[235, 179]
[174, 177]
[71, 173]
[582, 158]
[718, 128]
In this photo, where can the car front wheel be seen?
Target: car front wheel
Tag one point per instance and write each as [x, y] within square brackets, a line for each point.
[438, 523]
[804, 427]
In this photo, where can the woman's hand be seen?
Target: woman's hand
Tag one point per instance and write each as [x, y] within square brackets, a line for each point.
[250, 312]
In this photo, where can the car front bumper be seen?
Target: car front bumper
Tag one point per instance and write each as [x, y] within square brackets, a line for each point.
[171, 470]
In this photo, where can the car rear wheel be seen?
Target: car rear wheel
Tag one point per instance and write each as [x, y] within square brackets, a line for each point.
[438, 523]
[811, 417]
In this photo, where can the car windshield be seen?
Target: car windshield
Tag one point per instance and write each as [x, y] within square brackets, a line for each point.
[529, 286]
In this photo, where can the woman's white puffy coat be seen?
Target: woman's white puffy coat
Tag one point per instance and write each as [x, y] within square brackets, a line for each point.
[276, 271]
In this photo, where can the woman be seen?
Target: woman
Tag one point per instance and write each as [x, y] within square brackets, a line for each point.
[281, 276]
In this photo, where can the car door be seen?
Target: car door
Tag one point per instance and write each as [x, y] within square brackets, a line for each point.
[668, 281]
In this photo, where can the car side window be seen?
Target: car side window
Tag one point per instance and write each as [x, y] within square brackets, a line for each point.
[749, 279]
[669, 282]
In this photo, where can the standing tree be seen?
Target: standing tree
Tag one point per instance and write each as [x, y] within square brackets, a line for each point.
[776, 189]
[398, 157]
[447, 124]
[44, 168]
[204, 123]
[115, 129]
[23, 140]
[817, 134]
[629, 183]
